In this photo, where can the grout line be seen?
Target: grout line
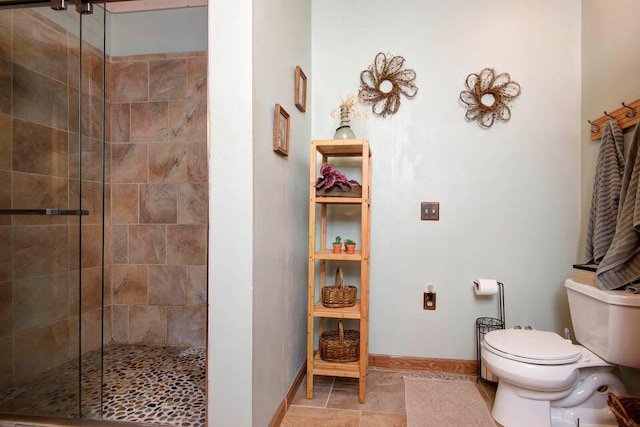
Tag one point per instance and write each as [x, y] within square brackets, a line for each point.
[329, 394]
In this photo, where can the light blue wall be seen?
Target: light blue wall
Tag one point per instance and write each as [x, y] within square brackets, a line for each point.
[281, 40]
[509, 195]
[157, 31]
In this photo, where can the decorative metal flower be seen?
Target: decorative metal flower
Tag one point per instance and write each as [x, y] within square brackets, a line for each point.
[488, 97]
[383, 82]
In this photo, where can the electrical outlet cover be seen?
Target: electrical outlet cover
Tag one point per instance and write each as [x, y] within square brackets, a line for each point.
[429, 301]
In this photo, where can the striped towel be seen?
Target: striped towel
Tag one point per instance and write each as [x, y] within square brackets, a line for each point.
[606, 194]
[621, 264]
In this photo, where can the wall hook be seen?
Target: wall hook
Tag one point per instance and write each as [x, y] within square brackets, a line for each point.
[631, 113]
[597, 127]
[609, 115]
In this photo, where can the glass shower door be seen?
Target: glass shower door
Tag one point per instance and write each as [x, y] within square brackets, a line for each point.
[51, 211]
[89, 154]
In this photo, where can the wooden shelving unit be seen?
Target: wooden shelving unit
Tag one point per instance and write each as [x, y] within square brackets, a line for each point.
[321, 152]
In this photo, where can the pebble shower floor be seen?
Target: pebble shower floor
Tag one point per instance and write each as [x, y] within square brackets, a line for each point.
[160, 386]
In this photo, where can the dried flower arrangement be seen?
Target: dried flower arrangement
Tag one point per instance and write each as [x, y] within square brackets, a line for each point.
[332, 178]
[353, 108]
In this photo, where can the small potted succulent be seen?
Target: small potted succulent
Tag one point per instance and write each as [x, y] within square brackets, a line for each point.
[349, 246]
[335, 183]
[337, 245]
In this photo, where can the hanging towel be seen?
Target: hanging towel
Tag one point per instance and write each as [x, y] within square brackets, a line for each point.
[621, 264]
[606, 194]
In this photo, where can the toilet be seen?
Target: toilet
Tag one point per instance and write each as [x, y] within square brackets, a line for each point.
[545, 380]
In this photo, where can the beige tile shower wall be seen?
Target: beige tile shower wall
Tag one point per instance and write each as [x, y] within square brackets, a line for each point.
[159, 198]
[39, 168]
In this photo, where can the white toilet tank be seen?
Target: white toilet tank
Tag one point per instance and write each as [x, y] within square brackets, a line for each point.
[606, 322]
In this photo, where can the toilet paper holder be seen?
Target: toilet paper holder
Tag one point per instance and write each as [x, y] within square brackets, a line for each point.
[500, 300]
[483, 326]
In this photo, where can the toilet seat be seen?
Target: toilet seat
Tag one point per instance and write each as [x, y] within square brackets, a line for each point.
[532, 346]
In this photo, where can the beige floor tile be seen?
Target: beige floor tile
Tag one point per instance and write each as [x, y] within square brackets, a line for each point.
[488, 393]
[321, 390]
[301, 416]
[344, 395]
[335, 400]
[385, 393]
[377, 419]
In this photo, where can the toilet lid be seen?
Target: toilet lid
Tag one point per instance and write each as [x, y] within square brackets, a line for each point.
[531, 346]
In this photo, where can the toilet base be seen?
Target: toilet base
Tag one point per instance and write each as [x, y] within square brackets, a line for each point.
[518, 407]
[512, 410]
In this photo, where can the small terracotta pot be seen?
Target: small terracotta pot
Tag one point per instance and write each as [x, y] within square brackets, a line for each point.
[337, 248]
[350, 249]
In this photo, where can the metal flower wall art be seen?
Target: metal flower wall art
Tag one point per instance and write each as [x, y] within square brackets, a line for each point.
[488, 97]
[383, 83]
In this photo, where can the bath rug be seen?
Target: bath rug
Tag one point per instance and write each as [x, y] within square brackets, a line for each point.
[437, 403]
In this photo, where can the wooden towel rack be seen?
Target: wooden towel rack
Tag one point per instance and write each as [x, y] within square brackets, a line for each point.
[626, 116]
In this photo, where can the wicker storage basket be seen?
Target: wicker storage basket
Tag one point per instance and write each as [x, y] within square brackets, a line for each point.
[339, 295]
[626, 409]
[340, 345]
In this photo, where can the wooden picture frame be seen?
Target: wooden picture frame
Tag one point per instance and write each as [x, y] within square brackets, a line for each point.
[300, 98]
[281, 131]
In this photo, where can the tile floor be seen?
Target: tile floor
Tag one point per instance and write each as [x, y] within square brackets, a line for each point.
[130, 369]
[159, 386]
[335, 400]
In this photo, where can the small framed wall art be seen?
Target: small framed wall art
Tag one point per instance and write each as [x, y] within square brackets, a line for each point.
[301, 90]
[281, 132]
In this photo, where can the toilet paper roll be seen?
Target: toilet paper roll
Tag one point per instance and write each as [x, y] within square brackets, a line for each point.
[485, 286]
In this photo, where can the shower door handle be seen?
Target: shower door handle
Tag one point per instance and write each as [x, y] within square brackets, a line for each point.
[48, 212]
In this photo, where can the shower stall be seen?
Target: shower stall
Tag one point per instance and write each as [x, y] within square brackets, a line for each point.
[102, 222]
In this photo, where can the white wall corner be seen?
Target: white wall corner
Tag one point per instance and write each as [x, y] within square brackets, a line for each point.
[230, 151]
